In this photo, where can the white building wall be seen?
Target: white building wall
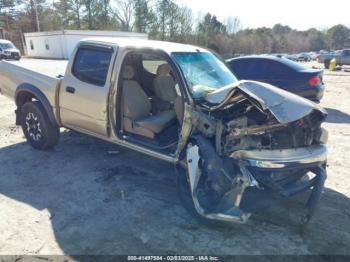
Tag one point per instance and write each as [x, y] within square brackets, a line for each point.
[62, 43]
[36, 46]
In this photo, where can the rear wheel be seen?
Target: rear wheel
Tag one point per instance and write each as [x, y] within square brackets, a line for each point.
[39, 131]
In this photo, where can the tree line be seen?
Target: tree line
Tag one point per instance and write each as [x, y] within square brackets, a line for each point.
[164, 20]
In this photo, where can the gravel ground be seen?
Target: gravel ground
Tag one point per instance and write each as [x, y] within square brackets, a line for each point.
[90, 197]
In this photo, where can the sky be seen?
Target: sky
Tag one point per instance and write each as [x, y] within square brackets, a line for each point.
[298, 14]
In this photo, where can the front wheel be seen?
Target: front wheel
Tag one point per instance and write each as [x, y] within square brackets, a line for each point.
[184, 193]
[39, 131]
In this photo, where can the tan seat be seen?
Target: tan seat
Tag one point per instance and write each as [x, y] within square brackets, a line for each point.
[137, 116]
[164, 84]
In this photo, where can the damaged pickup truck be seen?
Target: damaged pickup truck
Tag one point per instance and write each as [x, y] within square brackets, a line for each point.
[228, 139]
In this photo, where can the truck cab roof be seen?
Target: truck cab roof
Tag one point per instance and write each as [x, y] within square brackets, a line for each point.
[167, 47]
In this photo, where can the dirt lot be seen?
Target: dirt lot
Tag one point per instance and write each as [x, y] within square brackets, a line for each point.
[89, 197]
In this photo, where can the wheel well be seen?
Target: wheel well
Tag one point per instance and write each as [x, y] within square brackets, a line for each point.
[26, 92]
[22, 98]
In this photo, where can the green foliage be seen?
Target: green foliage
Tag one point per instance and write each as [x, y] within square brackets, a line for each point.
[338, 37]
[144, 16]
[164, 20]
[279, 29]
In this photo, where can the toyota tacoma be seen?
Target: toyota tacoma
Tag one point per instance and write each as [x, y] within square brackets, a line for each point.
[229, 140]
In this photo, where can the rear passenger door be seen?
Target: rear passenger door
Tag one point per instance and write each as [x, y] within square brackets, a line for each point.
[85, 88]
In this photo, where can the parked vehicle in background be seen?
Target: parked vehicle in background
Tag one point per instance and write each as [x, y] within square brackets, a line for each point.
[303, 57]
[237, 145]
[292, 57]
[313, 55]
[8, 50]
[342, 57]
[280, 72]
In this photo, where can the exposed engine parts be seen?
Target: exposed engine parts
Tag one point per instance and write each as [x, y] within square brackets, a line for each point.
[253, 129]
[251, 142]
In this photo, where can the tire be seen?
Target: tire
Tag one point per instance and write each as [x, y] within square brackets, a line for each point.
[39, 131]
[326, 64]
[184, 191]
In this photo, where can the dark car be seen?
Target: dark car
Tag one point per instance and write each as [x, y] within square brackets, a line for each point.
[280, 72]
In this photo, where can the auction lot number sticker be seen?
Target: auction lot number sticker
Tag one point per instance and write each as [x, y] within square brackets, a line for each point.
[173, 258]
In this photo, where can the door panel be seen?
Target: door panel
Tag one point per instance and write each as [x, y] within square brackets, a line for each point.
[84, 90]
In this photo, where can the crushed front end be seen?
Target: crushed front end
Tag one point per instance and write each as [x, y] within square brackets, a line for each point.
[254, 135]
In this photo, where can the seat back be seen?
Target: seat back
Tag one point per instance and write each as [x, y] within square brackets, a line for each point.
[135, 102]
[164, 84]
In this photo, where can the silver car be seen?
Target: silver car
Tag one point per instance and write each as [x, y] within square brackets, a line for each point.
[9, 51]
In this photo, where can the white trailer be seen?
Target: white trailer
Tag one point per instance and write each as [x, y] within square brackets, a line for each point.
[60, 44]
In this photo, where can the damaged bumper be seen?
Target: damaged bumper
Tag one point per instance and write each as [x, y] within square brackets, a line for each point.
[276, 171]
[281, 171]
[272, 159]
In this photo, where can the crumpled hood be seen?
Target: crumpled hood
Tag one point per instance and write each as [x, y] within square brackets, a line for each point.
[285, 106]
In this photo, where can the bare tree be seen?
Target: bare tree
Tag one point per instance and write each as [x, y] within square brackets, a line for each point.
[36, 16]
[89, 6]
[124, 14]
[233, 24]
[76, 9]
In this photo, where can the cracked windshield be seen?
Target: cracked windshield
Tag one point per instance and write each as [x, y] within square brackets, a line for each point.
[204, 72]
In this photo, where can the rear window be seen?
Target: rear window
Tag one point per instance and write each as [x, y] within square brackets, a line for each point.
[294, 65]
[91, 65]
[277, 68]
[262, 67]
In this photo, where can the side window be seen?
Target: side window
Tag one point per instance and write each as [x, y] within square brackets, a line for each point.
[249, 69]
[234, 68]
[47, 45]
[346, 53]
[159, 76]
[254, 67]
[151, 62]
[31, 44]
[91, 65]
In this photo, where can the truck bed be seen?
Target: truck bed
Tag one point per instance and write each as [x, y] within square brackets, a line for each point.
[42, 75]
[47, 67]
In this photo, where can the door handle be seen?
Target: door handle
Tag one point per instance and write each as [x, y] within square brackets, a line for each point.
[70, 89]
